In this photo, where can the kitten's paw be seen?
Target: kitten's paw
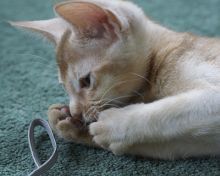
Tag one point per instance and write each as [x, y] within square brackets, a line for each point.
[63, 123]
[111, 130]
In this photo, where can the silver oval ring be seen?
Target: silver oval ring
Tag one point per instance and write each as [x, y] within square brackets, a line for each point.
[41, 167]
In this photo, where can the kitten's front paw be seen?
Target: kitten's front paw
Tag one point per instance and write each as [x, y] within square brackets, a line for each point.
[112, 129]
[63, 123]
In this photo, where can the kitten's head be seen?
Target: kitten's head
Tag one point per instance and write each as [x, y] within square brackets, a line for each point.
[100, 52]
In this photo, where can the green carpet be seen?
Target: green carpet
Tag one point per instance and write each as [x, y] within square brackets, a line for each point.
[28, 85]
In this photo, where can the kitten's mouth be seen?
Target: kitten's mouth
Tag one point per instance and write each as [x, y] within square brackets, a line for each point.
[76, 120]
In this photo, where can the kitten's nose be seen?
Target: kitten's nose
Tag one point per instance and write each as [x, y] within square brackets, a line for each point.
[75, 108]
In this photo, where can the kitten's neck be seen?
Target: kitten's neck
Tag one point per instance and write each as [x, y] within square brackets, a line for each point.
[158, 37]
[159, 43]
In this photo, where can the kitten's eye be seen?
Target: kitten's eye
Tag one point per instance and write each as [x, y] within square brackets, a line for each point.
[85, 82]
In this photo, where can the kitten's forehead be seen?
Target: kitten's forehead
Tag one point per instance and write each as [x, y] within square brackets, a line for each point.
[83, 66]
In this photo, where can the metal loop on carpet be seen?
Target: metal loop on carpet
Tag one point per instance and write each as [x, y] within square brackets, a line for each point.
[41, 167]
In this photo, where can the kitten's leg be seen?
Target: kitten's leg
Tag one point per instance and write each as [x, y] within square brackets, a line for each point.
[66, 127]
[187, 124]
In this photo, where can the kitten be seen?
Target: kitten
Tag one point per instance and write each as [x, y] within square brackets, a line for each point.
[135, 87]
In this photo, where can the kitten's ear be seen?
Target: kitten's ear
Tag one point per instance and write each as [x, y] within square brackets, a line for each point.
[88, 19]
[52, 29]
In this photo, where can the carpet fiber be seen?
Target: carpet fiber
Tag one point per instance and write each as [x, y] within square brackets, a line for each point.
[28, 85]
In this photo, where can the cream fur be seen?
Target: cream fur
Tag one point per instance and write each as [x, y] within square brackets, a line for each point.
[175, 112]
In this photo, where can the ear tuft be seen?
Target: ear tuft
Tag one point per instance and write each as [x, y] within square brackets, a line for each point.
[89, 19]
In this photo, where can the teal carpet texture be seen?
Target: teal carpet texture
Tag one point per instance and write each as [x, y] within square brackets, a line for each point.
[28, 85]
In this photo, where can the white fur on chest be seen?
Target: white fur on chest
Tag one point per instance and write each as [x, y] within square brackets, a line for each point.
[195, 71]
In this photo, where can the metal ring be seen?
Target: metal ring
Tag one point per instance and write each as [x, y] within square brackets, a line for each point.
[41, 167]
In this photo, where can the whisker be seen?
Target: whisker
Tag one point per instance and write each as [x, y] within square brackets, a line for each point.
[97, 112]
[120, 102]
[95, 117]
[142, 77]
[122, 82]
[93, 110]
[139, 94]
[110, 100]
[108, 104]
[105, 93]
[88, 110]
[126, 96]
[96, 102]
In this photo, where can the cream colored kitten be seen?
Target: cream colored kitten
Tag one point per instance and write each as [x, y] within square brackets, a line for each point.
[135, 87]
